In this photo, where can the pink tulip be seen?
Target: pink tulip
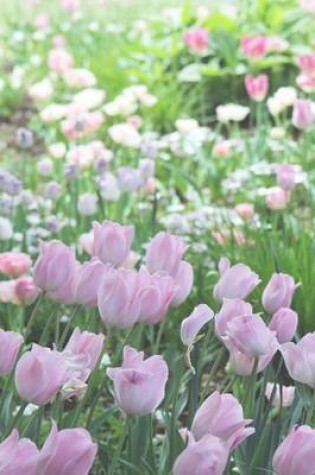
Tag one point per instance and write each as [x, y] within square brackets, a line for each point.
[86, 343]
[67, 452]
[303, 116]
[14, 264]
[197, 40]
[236, 281]
[59, 60]
[184, 279]
[118, 303]
[284, 323]
[231, 308]
[165, 252]
[70, 5]
[39, 375]
[192, 325]
[254, 47]
[155, 294]
[278, 292]
[221, 415]
[207, 456]
[277, 198]
[243, 364]
[295, 455]
[139, 384]
[55, 266]
[10, 343]
[25, 290]
[112, 242]
[250, 335]
[245, 210]
[299, 359]
[257, 87]
[18, 456]
[87, 281]
[286, 176]
[306, 63]
[280, 396]
[306, 83]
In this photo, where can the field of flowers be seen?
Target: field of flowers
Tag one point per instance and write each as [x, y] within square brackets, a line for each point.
[157, 210]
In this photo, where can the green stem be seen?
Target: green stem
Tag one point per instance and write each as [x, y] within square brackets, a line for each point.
[120, 447]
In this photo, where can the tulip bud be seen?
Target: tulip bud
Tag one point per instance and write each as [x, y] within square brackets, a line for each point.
[284, 322]
[112, 242]
[231, 308]
[184, 279]
[278, 292]
[10, 343]
[165, 252]
[139, 384]
[26, 291]
[70, 449]
[303, 117]
[39, 375]
[257, 87]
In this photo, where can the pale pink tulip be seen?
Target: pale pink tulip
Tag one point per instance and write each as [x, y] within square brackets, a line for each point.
[191, 325]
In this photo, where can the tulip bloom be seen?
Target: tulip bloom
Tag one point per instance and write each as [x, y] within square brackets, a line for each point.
[236, 281]
[118, 303]
[221, 415]
[18, 456]
[306, 63]
[10, 343]
[295, 455]
[231, 308]
[278, 292]
[286, 176]
[112, 242]
[277, 198]
[303, 116]
[284, 322]
[165, 252]
[191, 325]
[257, 87]
[197, 40]
[14, 264]
[299, 358]
[139, 384]
[209, 455]
[86, 343]
[54, 267]
[39, 375]
[254, 47]
[26, 292]
[184, 279]
[68, 452]
[87, 280]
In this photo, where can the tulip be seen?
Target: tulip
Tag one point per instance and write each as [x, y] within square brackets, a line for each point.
[18, 456]
[112, 242]
[155, 295]
[139, 384]
[250, 335]
[86, 343]
[237, 281]
[25, 290]
[87, 281]
[68, 452]
[197, 40]
[14, 264]
[221, 415]
[118, 303]
[278, 292]
[257, 87]
[245, 210]
[303, 116]
[280, 396]
[299, 359]
[254, 47]
[165, 252]
[54, 267]
[39, 375]
[184, 279]
[306, 63]
[295, 455]
[286, 176]
[230, 309]
[284, 323]
[277, 198]
[10, 343]
[191, 325]
[59, 60]
[208, 455]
